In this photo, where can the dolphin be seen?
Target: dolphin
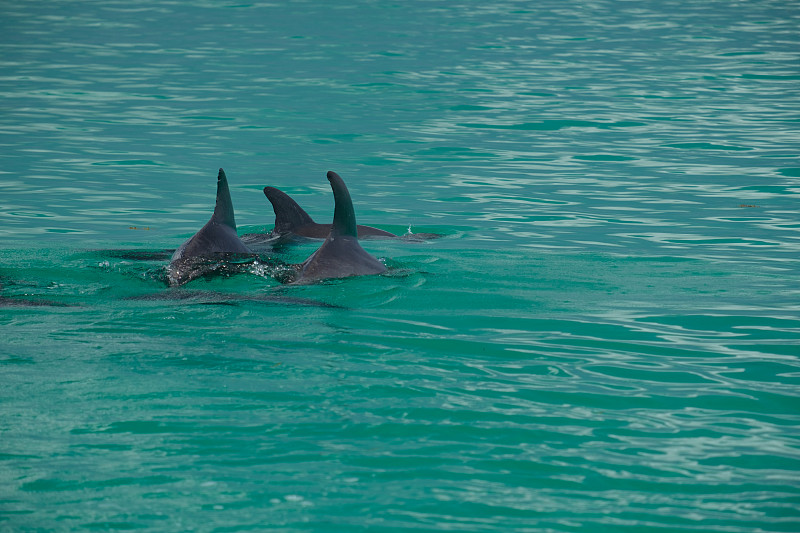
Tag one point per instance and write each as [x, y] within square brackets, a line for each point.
[291, 220]
[217, 237]
[341, 255]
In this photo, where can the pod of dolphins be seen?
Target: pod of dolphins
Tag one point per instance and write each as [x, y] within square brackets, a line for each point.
[217, 246]
[339, 256]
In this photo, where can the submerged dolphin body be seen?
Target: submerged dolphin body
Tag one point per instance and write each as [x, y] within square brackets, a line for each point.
[291, 220]
[220, 298]
[218, 236]
[20, 302]
[341, 255]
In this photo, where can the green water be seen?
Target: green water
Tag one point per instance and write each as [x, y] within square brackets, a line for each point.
[605, 338]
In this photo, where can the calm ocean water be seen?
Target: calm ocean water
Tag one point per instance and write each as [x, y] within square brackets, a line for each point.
[607, 337]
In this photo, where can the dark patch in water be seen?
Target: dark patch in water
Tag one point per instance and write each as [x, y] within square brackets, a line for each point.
[138, 255]
[221, 298]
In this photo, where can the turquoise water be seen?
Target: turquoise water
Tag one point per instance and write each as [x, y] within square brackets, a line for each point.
[607, 337]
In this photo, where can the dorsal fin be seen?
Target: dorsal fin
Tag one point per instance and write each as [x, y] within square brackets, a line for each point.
[288, 215]
[344, 217]
[223, 211]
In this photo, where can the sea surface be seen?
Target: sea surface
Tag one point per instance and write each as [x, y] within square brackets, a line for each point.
[605, 338]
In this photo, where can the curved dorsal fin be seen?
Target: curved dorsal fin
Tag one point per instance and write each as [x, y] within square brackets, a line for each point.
[344, 217]
[223, 211]
[288, 215]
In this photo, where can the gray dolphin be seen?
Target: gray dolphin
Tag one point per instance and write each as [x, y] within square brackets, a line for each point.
[218, 236]
[291, 220]
[341, 255]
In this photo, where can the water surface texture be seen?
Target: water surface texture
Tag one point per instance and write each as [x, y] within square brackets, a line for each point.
[606, 338]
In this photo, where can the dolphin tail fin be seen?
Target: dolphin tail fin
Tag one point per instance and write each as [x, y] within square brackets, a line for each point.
[288, 215]
[344, 216]
[223, 211]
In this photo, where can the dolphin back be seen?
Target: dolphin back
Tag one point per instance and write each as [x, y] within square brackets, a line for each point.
[340, 255]
[218, 236]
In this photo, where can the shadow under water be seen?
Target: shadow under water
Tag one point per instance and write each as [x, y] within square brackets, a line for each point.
[204, 297]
